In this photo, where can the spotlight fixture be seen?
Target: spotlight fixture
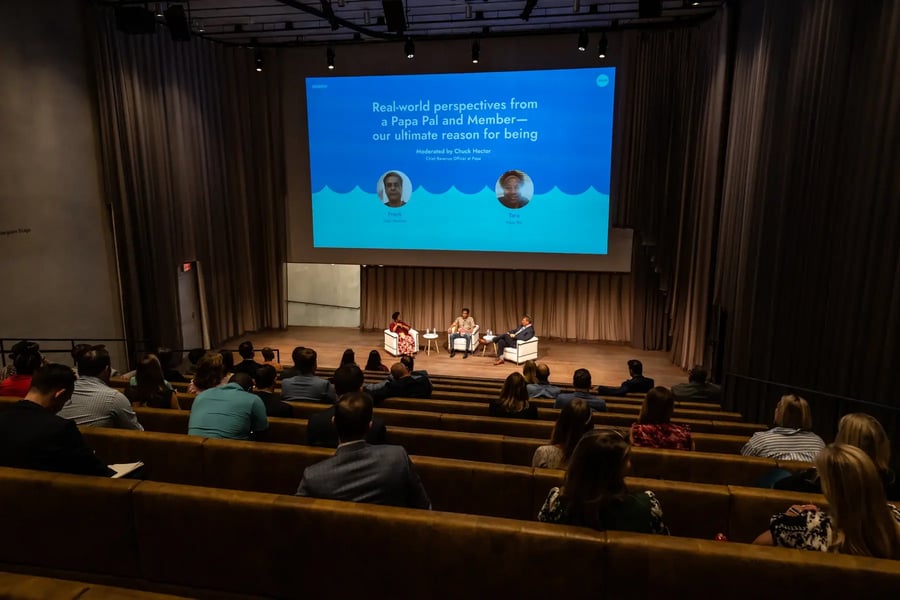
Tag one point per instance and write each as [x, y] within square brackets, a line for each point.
[159, 12]
[329, 54]
[582, 40]
[409, 48]
[259, 60]
[476, 51]
[199, 27]
[602, 46]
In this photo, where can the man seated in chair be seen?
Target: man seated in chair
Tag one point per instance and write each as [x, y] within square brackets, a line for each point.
[512, 337]
[638, 384]
[305, 386]
[320, 427]
[462, 327]
[402, 383]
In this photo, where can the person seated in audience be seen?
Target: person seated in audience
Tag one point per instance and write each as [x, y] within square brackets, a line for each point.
[247, 364]
[697, 387]
[542, 388]
[401, 383]
[26, 359]
[573, 422]
[462, 327]
[529, 372]
[406, 344]
[32, 436]
[348, 357]
[78, 350]
[94, 403]
[359, 471]
[638, 384]
[170, 373]
[594, 492]
[374, 363]
[581, 381]
[265, 389]
[148, 387]
[859, 520]
[655, 429]
[320, 429]
[866, 433]
[791, 438]
[194, 357]
[268, 356]
[243, 380]
[305, 386]
[227, 365]
[294, 370]
[225, 411]
[513, 401]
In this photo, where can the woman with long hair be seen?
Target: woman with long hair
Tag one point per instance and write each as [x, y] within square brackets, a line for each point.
[791, 438]
[574, 421]
[406, 344]
[348, 357]
[654, 428]
[513, 400]
[859, 520]
[529, 371]
[26, 359]
[374, 363]
[594, 492]
[148, 387]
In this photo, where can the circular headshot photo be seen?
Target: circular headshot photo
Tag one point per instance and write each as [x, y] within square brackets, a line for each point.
[514, 189]
[394, 189]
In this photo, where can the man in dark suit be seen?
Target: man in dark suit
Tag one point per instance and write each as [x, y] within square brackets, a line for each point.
[32, 436]
[511, 337]
[320, 429]
[402, 383]
[638, 384]
[581, 381]
[697, 388]
[359, 472]
[247, 364]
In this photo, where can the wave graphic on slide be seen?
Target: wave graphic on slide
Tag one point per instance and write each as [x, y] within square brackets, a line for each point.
[421, 192]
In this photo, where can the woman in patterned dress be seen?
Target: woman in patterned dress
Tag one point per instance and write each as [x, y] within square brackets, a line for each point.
[594, 493]
[405, 342]
[655, 429]
[859, 519]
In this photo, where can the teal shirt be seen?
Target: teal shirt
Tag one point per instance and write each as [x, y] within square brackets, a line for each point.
[227, 412]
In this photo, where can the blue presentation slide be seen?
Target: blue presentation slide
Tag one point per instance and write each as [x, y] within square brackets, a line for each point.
[514, 161]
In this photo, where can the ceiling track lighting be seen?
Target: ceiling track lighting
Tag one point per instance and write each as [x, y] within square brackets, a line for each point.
[329, 55]
[582, 40]
[409, 48]
[602, 46]
[476, 52]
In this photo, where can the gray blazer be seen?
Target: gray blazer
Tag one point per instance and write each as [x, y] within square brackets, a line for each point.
[360, 472]
[308, 388]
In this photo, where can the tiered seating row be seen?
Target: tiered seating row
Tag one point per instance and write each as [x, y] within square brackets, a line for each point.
[210, 543]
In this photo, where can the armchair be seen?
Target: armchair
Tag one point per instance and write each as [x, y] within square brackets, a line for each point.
[522, 351]
[459, 344]
[391, 341]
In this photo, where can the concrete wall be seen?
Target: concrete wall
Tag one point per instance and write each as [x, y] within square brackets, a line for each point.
[323, 295]
[56, 241]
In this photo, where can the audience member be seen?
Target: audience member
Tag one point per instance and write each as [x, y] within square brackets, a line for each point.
[320, 429]
[265, 389]
[78, 350]
[791, 438]
[374, 363]
[227, 365]
[360, 472]
[225, 411]
[401, 383]
[697, 387]
[170, 373]
[581, 381]
[94, 403]
[655, 429]
[513, 401]
[859, 520]
[594, 493]
[348, 357]
[866, 433]
[542, 387]
[638, 384]
[194, 357]
[148, 387]
[573, 422]
[268, 356]
[32, 436]
[26, 359]
[529, 372]
[293, 371]
[305, 386]
[247, 364]
[244, 380]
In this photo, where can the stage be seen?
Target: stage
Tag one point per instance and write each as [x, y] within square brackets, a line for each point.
[606, 362]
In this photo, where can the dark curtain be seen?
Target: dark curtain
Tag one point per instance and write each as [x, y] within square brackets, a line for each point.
[670, 128]
[809, 252]
[191, 140]
[571, 306]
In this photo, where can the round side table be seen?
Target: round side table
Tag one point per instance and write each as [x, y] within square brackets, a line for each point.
[430, 339]
[490, 340]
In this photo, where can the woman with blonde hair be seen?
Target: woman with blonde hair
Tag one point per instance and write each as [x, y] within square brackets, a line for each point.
[513, 401]
[859, 520]
[866, 433]
[574, 421]
[594, 492]
[791, 438]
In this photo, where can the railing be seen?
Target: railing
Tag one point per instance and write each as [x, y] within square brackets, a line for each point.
[139, 347]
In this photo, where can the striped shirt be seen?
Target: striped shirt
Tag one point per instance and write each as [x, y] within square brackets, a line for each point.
[782, 443]
[95, 404]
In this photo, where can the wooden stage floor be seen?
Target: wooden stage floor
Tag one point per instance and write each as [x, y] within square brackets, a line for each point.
[606, 362]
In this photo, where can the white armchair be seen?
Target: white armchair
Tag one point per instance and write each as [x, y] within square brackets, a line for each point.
[522, 351]
[391, 341]
[459, 344]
